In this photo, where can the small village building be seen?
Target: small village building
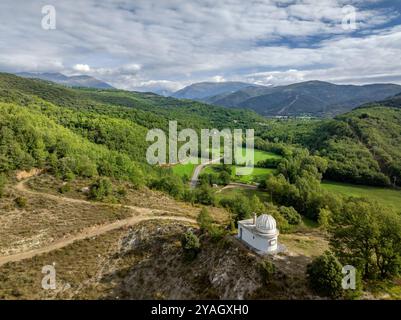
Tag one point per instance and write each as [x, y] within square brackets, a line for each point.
[260, 233]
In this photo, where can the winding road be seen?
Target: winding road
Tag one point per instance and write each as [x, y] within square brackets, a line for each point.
[199, 168]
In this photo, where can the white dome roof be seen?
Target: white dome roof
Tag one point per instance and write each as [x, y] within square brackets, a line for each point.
[266, 224]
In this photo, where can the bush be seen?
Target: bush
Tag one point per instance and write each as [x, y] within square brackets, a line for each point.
[20, 202]
[65, 188]
[122, 191]
[190, 244]
[204, 195]
[224, 178]
[171, 184]
[291, 215]
[188, 196]
[324, 218]
[204, 220]
[101, 189]
[239, 206]
[216, 233]
[3, 182]
[325, 276]
[267, 270]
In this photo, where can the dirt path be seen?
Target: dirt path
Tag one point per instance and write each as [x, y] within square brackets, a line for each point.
[87, 233]
[144, 215]
[21, 186]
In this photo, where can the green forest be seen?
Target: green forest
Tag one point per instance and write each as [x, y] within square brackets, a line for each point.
[91, 133]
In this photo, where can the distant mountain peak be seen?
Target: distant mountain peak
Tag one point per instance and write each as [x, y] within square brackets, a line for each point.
[69, 81]
[202, 90]
[312, 98]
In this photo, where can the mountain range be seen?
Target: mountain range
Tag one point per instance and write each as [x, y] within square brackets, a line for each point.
[69, 81]
[202, 91]
[312, 98]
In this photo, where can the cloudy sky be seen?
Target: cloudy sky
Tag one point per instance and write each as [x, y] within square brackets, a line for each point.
[167, 44]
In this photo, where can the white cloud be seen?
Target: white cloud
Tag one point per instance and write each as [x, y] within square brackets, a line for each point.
[146, 44]
[82, 68]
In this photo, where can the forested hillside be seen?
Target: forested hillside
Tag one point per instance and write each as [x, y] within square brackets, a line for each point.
[311, 98]
[87, 132]
[363, 146]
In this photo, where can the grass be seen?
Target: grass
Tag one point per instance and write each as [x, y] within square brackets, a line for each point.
[385, 196]
[184, 169]
[257, 173]
[232, 192]
[260, 155]
[387, 289]
[264, 155]
[309, 245]
[187, 169]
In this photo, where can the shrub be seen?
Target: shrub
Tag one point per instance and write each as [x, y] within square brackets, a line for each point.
[65, 188]
[204, 220]
[216, 233]
[239, 206]
[171, 184]
[291, 215]
[101, 189]
[122, 191]
[69, 176]
[224, 178]
[204, 195]
[267, 270]
[325, 276]
[190, 244]
[20, 202]
[188, 196]
[324, 218]
[3, 181]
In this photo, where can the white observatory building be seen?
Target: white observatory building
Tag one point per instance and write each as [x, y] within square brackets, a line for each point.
[260, 233]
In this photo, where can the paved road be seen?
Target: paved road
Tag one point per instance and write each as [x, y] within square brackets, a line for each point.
[198, 169]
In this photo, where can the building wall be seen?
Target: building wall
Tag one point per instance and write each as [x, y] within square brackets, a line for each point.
[256, 241]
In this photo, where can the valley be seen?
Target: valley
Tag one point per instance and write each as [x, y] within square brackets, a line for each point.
[311, 98]
[76, 190]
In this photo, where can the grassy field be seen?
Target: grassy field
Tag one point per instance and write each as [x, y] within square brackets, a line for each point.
[259, 155]
[184, 169]
[187, 169]
[263, 155]
[257, 173]
[232, 192]
[385, 196]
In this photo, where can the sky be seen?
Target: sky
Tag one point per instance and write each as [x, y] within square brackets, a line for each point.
[152, 45]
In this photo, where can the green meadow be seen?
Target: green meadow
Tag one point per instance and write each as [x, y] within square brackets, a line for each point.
[258, 173]
[385, 196]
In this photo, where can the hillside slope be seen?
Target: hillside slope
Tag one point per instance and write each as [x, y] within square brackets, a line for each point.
[203, 90]
[362, 146]
[72, 81]
[312, 98]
